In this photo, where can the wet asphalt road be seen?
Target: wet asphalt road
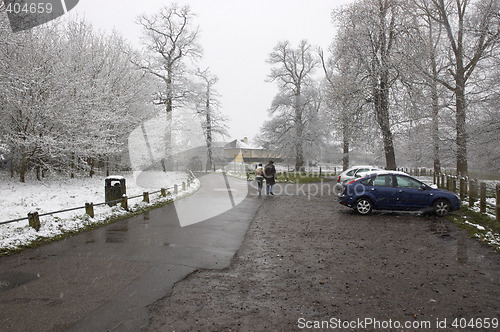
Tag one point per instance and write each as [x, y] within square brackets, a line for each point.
[105, 279]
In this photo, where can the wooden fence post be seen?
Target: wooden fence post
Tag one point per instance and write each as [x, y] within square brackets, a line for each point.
[34, 220]
[183, 186]
[125, 202]
[145, 197]
[163, 192]
[176, 189]
[472, 192]
[89, 209]
[482, 199]
[462, 188]
[497, 212]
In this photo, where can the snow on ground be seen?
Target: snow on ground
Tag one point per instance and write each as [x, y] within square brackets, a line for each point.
[18, 199]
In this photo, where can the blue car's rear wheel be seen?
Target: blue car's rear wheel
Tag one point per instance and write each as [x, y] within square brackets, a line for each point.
[441, 207]
[363, 206]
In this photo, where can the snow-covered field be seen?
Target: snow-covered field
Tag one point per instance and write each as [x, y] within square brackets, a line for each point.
[18, 199]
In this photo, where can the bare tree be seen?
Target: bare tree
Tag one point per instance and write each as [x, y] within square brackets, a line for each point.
[472, 35]
[214, 122]
[171, 38]
[292, 71]
[423, 51]
[345, 96]
[369, 34]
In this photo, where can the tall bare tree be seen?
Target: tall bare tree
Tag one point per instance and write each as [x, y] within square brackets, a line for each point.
[473, 31]
[369, 34]
[345, 96]
[171, 38]
[214, 123]
[292, 70]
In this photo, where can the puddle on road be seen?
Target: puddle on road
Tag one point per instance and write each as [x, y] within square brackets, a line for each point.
[117, 234]
[9, 280]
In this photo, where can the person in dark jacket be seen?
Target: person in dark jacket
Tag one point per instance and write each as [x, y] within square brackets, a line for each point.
[270, 176]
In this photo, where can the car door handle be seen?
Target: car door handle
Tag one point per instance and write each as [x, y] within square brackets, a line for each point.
[373, 189]
[400, 191]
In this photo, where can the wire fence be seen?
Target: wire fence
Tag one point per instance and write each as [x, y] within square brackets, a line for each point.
[34, 217]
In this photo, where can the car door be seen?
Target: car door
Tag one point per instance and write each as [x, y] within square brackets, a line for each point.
[411, 195]
[384, 192]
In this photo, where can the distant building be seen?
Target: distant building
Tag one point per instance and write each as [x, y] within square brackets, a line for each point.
[223, 153]
[241, 150]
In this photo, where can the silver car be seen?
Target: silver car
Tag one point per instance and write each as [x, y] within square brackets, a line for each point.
[355, 172]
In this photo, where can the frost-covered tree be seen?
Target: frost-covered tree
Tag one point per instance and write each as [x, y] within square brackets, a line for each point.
[171, 45]
[370, 32]
[30, 98]
[108, 93]
[69, 96]
[279, 131]
[473, 31]
[425, 51]
[345, 97]
[292, 71]
[214, 123]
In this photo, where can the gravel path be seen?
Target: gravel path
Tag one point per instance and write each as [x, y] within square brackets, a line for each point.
[309, 262]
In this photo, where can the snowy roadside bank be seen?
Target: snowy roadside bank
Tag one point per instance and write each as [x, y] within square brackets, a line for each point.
[18, 199]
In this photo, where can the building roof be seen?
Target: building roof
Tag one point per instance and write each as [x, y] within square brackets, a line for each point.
[239, 144]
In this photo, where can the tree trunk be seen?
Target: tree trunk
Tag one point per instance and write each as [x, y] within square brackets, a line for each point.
[381, 96]
[345, 138]
[72, 175]
[345, 155]
[209, 133]
[23, 168]
[168, 162]
[380, 80]
[299, 151]
[107, 165]
[462, 167]
[435, 118]
[12, 170]
[91, 163]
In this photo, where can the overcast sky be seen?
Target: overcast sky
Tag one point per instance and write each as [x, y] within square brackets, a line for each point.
[237, 37]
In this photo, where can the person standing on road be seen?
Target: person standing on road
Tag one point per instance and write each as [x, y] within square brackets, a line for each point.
[270, 175]
[259, 177]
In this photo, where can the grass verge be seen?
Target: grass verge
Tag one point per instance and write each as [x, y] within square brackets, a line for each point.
[478, 225]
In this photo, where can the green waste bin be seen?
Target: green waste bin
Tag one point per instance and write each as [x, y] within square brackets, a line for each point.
[114, 189]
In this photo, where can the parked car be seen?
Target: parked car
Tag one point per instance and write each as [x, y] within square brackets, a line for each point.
[355, 172]
[391, 190]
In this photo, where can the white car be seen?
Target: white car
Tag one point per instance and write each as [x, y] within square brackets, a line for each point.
[356, 172]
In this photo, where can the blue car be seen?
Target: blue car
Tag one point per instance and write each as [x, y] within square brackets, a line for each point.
[391, 190]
